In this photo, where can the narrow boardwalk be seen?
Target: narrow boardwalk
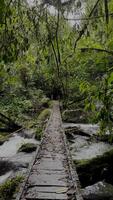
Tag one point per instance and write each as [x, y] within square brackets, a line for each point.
[52, 175]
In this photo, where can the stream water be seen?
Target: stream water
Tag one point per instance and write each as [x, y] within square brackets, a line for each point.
[82, 147]
[4, 177]
[86, 147]
[9, 153]
[10, 148]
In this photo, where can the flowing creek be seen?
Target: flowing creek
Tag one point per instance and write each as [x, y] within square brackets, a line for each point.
[13, 160]
[10, 148]
[96, 176]
[82, 147]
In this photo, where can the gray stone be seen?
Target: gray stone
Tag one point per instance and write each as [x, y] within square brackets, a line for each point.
[77, 115]
[98, 191]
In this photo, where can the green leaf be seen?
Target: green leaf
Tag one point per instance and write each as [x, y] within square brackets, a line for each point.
[110, 79]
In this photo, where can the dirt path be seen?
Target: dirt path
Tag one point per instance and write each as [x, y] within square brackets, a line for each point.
[52, 175]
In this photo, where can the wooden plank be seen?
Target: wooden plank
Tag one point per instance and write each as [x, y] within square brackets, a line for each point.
[46, 179]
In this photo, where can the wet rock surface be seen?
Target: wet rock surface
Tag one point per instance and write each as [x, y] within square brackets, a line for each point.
[81, 129]
[75, 116]
[6, 166]
[98, 191]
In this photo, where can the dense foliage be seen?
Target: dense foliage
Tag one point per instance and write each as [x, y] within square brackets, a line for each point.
[43, 55]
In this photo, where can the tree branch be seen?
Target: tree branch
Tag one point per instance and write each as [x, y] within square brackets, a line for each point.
[85, 26]
[57, 29]
[53, 48]
[96, 49]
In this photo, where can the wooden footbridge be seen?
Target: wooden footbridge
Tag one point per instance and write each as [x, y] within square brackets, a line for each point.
[52, 175]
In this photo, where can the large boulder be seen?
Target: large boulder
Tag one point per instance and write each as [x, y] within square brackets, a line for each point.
[93, 170]
[98, 191]
[75, 116]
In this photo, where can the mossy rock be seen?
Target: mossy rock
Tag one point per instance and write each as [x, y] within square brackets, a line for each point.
[99, 191]
[9, 188]
[44, 115]
[28, 147]
[3, 139]
[96, 169]
[75, 116]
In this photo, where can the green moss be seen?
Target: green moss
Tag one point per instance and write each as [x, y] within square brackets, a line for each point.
[40, 122]
[45, 102]
[51, 102]
[106, 157]
[8, 189]
[81, 162]
[27, 147]
[92, 170]
[44, 115]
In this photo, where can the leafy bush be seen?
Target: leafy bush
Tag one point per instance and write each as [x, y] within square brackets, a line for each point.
[43, 116]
